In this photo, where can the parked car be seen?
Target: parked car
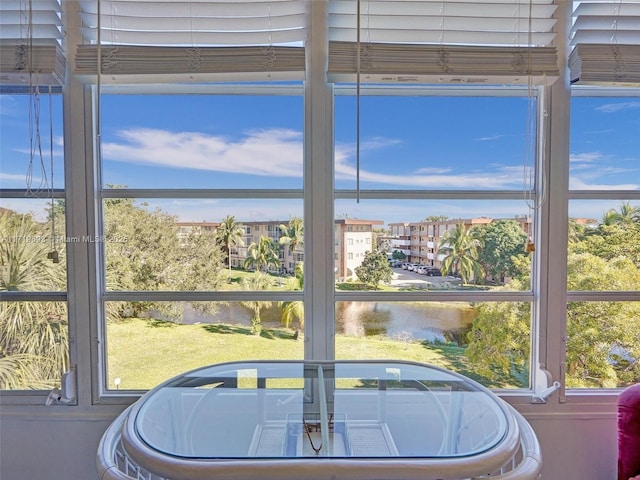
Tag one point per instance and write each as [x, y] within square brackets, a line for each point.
[434, 272]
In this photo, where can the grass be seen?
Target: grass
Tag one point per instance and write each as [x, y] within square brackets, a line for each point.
[145, 352]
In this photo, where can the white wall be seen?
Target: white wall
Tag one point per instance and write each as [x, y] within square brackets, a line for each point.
[38, 443]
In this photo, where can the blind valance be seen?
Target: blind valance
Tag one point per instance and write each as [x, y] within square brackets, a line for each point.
[453, 41]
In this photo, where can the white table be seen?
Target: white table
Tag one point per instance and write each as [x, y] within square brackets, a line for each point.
[267, 420]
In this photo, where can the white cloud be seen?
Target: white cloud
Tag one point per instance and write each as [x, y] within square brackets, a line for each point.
[432, 171]
[587, 157]
[489, 138]
[366, 145]
[576, 183]
[501, 178]
[260, 152]
[13, 178]
[279, 152]
[616, 107]
[214, 210]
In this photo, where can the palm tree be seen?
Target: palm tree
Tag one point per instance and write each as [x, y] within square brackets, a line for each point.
[293, 310]
[262, 254]
[34, 346]
[230, 234]
[258, 281]
[460, 250]
[292, 234]
[627, 214]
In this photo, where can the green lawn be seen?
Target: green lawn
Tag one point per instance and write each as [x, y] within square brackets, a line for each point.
[145, 352]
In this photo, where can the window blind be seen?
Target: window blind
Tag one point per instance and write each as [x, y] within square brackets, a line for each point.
[443, 41]
[198, 40]
[606, 43]
[31, 51]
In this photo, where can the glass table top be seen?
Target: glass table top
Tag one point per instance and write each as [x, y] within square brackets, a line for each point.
[337, 409]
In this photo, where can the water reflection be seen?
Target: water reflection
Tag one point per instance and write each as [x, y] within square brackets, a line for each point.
[415, 321]
[420, 321]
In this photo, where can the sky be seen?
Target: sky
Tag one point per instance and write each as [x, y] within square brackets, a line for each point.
[209, 141]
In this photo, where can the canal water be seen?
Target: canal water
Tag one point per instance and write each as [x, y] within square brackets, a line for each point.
[420, 321]
[428, 321]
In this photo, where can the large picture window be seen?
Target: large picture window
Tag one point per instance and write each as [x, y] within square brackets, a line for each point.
[437, 212]
[202, 221]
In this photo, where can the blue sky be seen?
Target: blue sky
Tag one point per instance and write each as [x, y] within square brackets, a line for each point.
[199, 141]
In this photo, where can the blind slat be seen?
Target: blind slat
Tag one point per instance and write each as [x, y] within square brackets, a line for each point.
[195, 38]
[168, 25]
[447, 9]
[210, 8]
[474, 24]
[450, 37]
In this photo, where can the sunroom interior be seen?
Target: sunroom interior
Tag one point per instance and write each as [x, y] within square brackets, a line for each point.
[188, 183]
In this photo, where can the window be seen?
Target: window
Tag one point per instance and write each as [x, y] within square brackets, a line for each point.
[34, 346]
[194, 218]
[229, 192]
[603, 332]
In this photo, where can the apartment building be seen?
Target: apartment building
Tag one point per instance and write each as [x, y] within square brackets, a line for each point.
[353, 239]
[420, 241]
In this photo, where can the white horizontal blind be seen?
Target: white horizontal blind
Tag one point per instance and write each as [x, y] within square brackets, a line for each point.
[203, 40]
[606, 43]
[471, 41]
[31, 51]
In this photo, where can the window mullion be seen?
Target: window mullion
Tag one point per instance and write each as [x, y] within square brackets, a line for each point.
[318, 182]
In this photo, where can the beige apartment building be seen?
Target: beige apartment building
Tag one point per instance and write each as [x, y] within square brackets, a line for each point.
[419, 241]
[353, 239]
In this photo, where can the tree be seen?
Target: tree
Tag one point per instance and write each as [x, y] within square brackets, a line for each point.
[203, 262]
[230, 233]
[503, 240]
[436, 218]
[292, 234]
[262, 255]
[398, 255]
[460, 250]
[500, 339]
[144, 252]
[603, 337]
[294, 310]
[374, 268]
[255, 282]
[626, 214]
[611, 241]
[34, 345]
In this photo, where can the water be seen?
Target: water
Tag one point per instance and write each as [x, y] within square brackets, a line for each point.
[424, 321]
[431, 322]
